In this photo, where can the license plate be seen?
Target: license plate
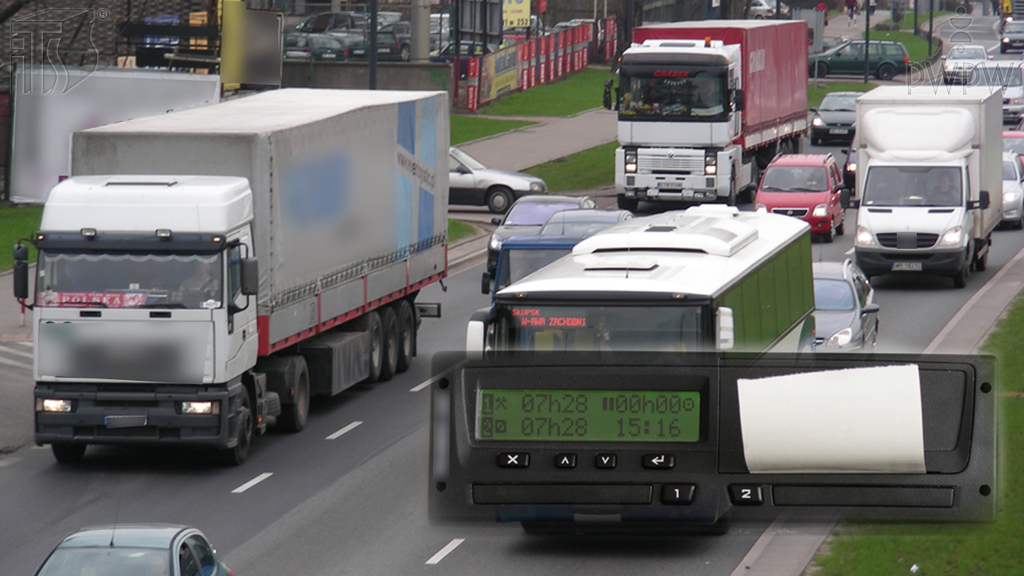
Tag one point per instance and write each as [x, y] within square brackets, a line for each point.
[127, 421]
[906, 267]
[670, 185]
[838, 131]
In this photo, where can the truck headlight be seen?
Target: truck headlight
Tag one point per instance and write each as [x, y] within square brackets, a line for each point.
[852, 166]
[864, 237]
[53, 405]
[820, 211]
[952, 237]
[841, 338]
[817, 122]
[212, 407]
[631, 161]
[496, 243]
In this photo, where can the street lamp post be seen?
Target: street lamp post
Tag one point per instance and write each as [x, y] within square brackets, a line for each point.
[867, 39]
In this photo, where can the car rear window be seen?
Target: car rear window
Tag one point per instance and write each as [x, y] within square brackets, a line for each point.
[894, 50]
[535, 213]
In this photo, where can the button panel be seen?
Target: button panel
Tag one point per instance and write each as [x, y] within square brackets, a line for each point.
[605, 461]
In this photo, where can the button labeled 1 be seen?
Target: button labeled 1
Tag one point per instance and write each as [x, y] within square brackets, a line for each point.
[746, 495]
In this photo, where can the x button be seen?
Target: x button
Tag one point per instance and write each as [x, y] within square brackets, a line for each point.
[514, 459]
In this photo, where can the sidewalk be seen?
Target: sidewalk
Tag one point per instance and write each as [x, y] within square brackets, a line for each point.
[550, 139]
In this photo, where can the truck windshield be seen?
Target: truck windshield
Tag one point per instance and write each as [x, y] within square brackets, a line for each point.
[129, 280]
[517, 264]
[913, 186]
[701, 94]
[603, 328]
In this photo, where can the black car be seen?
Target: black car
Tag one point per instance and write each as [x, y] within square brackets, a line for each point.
[845, 312]
[527, 216]
[330, 21]
[834, 118]
[403, 32]
[388, 47]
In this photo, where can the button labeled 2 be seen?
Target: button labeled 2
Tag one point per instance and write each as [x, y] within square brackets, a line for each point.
[745, 495]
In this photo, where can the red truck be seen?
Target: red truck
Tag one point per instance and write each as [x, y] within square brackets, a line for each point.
[704, 106]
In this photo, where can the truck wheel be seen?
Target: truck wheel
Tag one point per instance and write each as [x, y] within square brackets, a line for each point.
[627, 203]
[294, 415]
[499, 199]
[389, 325]
[886, 72]
[980, 264]
[68, 453]
[236, 456]
[406, 334]
[960, 279]
[376, 346]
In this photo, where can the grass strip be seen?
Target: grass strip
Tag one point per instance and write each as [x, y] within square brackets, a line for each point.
[17, 222]
[584, 170]
[458, 230]
[465, 128]
[570, 95]
[891, 549]
[917, 48]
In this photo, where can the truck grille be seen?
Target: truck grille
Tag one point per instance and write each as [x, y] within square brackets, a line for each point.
[910, 240]
[666, 165]
[796, 212]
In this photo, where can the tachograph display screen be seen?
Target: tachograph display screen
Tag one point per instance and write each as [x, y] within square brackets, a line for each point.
[588, 415]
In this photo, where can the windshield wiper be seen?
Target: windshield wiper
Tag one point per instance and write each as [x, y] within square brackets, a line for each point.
[804, 189]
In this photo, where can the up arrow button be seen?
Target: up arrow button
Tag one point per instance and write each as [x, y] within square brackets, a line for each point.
[659, 461]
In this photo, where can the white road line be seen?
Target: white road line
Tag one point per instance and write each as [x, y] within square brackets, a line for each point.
[344, 430]
[17, 352]
[848, 252]
[436, 558]
[252, 482]
[15, 363]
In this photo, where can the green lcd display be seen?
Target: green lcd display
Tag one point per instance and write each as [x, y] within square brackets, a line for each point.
[588, 415]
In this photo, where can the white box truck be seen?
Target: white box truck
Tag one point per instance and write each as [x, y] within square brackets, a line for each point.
[204, 272]
[928, 179]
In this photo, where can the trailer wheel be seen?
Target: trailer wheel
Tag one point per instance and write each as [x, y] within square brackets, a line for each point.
[376, 346]
[236, 456]
[389, 327]
[68, 453]
[406, 334]
[294, 415]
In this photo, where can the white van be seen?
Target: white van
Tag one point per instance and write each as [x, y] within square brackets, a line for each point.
[1008, 76]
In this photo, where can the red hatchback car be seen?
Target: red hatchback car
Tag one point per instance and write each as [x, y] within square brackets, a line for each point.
[806, 186]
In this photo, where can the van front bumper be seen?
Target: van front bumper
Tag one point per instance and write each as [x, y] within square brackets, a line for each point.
[875, 262]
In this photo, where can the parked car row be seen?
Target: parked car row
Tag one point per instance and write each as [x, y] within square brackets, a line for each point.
[337, 46]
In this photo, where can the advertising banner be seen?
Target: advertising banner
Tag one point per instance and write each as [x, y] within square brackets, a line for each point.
[498, 73]
[515, 14]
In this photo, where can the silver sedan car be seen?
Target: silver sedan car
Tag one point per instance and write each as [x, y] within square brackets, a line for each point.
[1013, 193]
[472, 183]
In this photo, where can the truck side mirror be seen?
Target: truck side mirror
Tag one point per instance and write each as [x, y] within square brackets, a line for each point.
[981, 203]
[250, 277]
[21, 279]
[737, 100]
[20, 252]
[608, 94]
[485, 283]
